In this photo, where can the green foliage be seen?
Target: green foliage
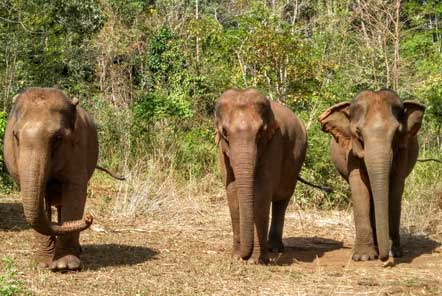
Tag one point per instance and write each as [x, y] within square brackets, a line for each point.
[128, 10]
[3, 122]
[6, 182]
[164, 59]
[10, 285]
[197, 155]
[47, 44]
[154, 106]
[434, 105]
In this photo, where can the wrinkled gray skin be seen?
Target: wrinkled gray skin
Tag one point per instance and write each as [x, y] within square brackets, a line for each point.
[374, 147]
[51, 150]
[262, 146]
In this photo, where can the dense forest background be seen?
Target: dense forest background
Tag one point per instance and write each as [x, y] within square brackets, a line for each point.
[150, 71]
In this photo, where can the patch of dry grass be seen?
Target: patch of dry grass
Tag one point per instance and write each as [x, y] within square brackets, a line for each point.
[152, 188]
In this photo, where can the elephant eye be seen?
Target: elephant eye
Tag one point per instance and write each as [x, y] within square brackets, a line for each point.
[56, 140]
[15, 134]
[224, 133]
[358, 132]
[398, 113]
[261, 130]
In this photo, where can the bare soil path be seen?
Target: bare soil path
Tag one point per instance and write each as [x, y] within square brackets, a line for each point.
[188, 253]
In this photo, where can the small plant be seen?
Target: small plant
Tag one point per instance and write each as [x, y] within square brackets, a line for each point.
[9, 284]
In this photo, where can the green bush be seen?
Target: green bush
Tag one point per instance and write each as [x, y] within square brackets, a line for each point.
[197, 152]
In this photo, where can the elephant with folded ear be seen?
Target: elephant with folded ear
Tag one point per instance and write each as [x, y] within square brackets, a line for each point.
[374, 147]
[262, 146]
[51, 150]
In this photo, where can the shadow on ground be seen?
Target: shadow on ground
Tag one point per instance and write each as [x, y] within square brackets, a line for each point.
[305, 249]
[415, 246]
[96, 257]
[12, 217]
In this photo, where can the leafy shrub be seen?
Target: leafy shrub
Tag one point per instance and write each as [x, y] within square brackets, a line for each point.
[154, 106]
[197, 152]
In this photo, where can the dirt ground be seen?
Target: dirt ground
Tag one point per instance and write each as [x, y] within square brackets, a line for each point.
[187, 252]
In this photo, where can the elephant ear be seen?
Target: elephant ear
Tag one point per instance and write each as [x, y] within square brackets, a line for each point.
[413, 115]
[75, 101]
[412, 120]
[272, 127]
[74, 120]
[74, 112]
[15, 98]
[220, 141]
[336, 121]
[217, 137]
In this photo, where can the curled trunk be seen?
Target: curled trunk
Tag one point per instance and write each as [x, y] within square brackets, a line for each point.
[378, 161]
[244, 167]
[33, 169]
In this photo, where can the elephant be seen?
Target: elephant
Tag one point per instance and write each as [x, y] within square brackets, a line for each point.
[262, 146]
[51, 150]
[374, 147]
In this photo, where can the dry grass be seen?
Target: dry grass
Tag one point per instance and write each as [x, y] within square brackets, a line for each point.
[153, 189]
[173, 238]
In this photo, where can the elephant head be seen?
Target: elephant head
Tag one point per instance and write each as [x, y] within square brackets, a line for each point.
[244, 124]
[39, 138]
[374, 127]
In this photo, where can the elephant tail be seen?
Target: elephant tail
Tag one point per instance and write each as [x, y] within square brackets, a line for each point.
[110, 173]
[429, 159]
[320, 187]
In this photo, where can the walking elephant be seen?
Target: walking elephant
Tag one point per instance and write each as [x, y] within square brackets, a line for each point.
[374, 147]
[51, 150]
[262, 146]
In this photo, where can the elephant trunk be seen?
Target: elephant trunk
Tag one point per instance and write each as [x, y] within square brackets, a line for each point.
[244, 167]
[33, 168]
[378, 159]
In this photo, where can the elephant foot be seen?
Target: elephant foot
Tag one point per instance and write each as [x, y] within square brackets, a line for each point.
[45, 248]
[236, 255]
[364, 253]
[66, 263]
[43, 261]
[236, 250]
[276, 246]
[255, 260]
[396, 252]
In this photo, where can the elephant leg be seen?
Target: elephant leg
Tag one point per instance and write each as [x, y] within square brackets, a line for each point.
[364, 248]
[277, 225]
[44, 245]
[396, 190]
[232, 200]
[373, 223]
[67, 250]
[261, 212]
